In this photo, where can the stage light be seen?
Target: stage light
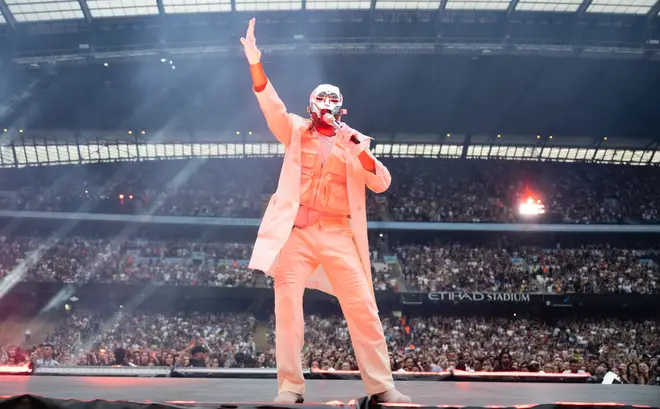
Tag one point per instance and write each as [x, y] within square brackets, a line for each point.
[174, 67]
[121, 196]
[130, 197]
[605, 138]
[238, 132]
[171, 62]
[105, 64]
[130, 132]
[448, 135]
[163, 60]
[531, 207]
[15, 369]
[21, 131]
[249, 132]
[550, 137]
[5, 129]
[143, 132]
[109, 371]
[538, 136]
[499, 136]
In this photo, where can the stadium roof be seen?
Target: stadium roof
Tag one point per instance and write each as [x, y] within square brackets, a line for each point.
[25, 11]
[82, 32]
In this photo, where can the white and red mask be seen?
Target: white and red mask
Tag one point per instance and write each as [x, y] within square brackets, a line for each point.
[324, 99]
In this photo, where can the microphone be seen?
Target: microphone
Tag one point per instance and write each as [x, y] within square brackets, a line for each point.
[330, 120]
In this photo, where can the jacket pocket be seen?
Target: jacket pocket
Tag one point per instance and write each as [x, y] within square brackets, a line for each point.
[307, 159]
[335, 197]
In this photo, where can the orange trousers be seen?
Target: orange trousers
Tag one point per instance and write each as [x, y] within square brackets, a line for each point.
[331, 244]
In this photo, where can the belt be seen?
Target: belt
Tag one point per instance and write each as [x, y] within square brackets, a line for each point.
[338, 220]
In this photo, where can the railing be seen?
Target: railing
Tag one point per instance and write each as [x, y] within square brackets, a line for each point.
[18, 155]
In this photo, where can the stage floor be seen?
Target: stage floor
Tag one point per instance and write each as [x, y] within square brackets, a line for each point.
[263, 390]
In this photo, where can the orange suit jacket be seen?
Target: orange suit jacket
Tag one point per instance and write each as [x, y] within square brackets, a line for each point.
[280, 214]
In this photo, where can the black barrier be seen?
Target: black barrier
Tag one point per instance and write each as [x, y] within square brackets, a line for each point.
[271, 373]
[247, 373]
[548, 300]
[398, 376]
[453, 375]
[119, 293]
[462, 376]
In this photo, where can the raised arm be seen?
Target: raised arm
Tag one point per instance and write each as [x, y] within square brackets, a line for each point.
[279, 121]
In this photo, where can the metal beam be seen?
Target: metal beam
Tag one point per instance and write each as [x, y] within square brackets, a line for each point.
[233, 5]
[161, 8]
[85, 10]
[597, 144]
[655, 152]
[512, 7]
[7, 14]
[77, 136]
[13, 151]
[441, 10]
[652, 145]
[654, 11]
[466, 145]
[372, 19]
[584, 6]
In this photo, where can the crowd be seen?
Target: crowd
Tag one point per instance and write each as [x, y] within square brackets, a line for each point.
[490, 191]
[422, 267]
[138, 261]
[85, 260]
[227, 188]
[417, 344]
[422, 190]
[527, 269]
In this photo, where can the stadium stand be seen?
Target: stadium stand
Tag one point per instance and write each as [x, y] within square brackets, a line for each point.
[418, 344]
[462, 192]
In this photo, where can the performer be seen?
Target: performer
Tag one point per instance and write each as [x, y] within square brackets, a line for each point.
[314, 231]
